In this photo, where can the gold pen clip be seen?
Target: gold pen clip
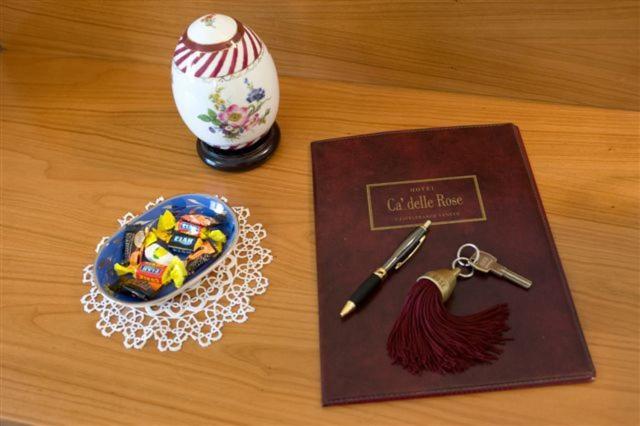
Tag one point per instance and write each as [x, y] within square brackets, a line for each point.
[403, 261]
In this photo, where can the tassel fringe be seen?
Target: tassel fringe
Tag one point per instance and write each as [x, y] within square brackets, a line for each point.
[427, 337]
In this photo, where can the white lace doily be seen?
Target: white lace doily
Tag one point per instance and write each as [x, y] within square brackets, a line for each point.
[200, 313]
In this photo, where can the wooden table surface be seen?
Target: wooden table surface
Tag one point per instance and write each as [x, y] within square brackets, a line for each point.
[86, 139]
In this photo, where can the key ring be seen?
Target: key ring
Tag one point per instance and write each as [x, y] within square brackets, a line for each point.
[461, 263]
[474, 257]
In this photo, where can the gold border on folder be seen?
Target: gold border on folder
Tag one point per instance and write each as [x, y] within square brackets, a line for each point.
[411, 225]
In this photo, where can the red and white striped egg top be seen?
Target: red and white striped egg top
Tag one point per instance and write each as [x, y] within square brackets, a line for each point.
[216, 59]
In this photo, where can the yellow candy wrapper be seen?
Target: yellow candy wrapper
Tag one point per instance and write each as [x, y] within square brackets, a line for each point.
[216, 236]
[166, 221]
[150, 239]
[166, 224]
[162, 235]
[124, 269]
[178, 271]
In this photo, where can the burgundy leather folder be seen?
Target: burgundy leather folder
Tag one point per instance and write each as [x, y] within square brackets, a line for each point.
[476, 185]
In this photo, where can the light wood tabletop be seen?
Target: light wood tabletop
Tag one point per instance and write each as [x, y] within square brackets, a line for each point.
[582, 52]
[87, 138]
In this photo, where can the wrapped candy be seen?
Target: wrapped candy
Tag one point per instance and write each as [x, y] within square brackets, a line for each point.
[200, 219]
[124, 269]
[182, 243]
[189, 228]
[178, 271]
[204, 247]
[157, 275]
[156, 250]
[217, 237]
[166, 224]
[153, 257]
[202, 255]
[157, 253]
[166, 221]
[161, 274]
[153, 273]
[138, 288]
[136, 257]
[198, 261]
[134, 237]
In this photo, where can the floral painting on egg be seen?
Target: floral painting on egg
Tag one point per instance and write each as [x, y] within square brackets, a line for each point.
[233, 120]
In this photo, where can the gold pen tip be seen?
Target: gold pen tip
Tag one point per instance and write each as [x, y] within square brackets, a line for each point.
[347, 309]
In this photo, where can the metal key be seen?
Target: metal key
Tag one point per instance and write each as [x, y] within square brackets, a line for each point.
[485, 262]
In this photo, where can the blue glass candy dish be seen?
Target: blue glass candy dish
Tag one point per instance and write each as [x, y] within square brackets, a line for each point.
[113, 250]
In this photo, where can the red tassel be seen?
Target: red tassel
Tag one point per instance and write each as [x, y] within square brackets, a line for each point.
[427, 337]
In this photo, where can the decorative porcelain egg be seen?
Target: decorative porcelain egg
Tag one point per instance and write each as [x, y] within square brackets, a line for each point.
[225, 87]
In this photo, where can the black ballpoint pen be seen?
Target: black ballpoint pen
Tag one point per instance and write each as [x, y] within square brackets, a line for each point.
[408, 247]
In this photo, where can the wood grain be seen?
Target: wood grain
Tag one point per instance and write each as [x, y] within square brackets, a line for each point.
[577, 52]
